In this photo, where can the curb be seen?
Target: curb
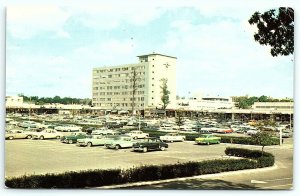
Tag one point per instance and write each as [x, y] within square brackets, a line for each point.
[128, 185]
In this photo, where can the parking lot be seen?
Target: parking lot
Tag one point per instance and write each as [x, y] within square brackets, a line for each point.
[25, 156]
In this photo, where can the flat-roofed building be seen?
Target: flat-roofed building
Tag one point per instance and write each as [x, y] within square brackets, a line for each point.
[282, 107]
[205, 103]
[113, 85]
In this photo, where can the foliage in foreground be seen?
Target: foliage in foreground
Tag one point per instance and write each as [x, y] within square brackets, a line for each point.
[95, 178]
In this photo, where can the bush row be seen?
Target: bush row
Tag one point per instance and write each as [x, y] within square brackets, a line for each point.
[245, 140]
[97, 178]
[263, 159]
[224, 138]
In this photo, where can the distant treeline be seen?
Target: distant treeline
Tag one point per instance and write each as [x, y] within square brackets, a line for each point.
[57, 99]
[245, 102]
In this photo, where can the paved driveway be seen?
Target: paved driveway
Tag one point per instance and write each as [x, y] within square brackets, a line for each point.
[51, 156]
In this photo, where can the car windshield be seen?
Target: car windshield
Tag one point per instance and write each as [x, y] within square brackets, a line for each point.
[204, 135]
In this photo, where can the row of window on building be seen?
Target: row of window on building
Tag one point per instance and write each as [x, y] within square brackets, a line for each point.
[120, 99]
[118, 105]
[117, 87]
[120, 69]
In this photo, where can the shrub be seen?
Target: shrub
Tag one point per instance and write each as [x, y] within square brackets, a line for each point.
[264, 159]
[246, 140]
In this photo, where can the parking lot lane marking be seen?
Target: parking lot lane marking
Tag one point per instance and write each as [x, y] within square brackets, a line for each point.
[257, 182]
[277, 186]
[278, 179]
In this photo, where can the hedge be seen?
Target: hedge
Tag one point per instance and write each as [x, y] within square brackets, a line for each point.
[263, 159]
[97, 178]
[224, 138]
[245, 140]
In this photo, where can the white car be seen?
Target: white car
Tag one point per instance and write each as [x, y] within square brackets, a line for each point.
[171, 137]
[47, 134]
[104, 132]
[137, 134]
[16, 134]
[68, 128]
[252, 132]
[28, 124]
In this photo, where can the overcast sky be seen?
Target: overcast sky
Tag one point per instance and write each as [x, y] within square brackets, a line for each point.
[51, 50]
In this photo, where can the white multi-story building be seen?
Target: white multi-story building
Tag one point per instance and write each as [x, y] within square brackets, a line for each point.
[205, 103]
[113, 85]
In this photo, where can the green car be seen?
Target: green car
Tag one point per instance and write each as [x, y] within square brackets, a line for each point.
[95, 140]
[208, 139]
[73, 137]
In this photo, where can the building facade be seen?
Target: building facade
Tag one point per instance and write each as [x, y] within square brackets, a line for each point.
[115, 87]
[12, 101]
[205, 103]
[280, 107]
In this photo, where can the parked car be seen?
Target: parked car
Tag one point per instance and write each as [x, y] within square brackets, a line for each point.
[137, 134]
[47, 134]
[224, 130]
[150, 128]
[287, 134]
[148, 144]
[89, 130]
[167, 129]
[16, 134]
[123, 141]
[28, 124]
[73, 137]
[104, 132]
[68, 128]
[172, 137]
[252, 132]
[95, 140]
[208, 139]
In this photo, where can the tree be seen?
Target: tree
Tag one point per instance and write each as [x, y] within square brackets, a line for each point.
[275, 28]
[263, 98]
[134, 80]
[165, 93]
[179, 118]
[263, 138]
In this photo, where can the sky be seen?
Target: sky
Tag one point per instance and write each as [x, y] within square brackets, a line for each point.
[51, 50]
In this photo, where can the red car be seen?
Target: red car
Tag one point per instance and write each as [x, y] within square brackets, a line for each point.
[224, 130]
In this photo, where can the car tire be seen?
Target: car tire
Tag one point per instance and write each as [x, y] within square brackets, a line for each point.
[11, 137]
[162, 148]
[89, 144]
[29, 136]
[42, 137]
[70, 141]
[135, 138]
[145, 149]
[117, 147]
